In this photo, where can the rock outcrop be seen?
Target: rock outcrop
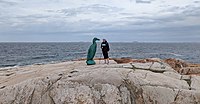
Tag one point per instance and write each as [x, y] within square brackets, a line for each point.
[130, 60]
[76, 83]
[176, 64]
[183, 68]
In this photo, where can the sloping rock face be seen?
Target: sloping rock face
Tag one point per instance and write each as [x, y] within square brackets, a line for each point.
[76, 83]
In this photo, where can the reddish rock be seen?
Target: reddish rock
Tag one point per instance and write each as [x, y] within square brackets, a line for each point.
[129, 60]
[183, 68]
[194, 65]
[123, 60]
[176, 64]
[190, 71]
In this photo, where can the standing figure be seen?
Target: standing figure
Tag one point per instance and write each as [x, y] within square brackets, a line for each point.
[92, 52]
[105, 48]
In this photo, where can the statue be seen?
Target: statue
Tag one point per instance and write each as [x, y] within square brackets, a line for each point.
[92, 52]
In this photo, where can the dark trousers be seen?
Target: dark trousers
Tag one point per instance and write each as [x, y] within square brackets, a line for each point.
[105, 54]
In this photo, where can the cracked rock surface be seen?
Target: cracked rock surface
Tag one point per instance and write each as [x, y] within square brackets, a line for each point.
[74, 82]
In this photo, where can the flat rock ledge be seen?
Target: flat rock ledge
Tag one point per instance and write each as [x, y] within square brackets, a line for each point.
[74, 82]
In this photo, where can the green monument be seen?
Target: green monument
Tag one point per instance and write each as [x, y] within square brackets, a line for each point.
[92, 52]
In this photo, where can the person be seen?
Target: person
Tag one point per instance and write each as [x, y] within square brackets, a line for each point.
[105, 48]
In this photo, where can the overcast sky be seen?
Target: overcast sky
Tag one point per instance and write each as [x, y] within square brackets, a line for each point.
[115, 20]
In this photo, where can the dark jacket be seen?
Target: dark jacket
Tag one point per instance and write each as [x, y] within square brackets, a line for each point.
[105, 46]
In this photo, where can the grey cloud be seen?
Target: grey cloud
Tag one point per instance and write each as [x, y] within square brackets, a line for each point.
[144, 20]
[22, 21]
[145, 27]
[178, 14]
[88, 26]
[32, 18]
[7, 3]
[96, 8]
[128, 27]
[172, 9]
[188, 10]
[169, 19]
[196, 1]
[192, 11]
[143, 1]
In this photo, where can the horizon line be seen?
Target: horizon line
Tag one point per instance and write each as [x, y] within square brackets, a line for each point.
[98, 41]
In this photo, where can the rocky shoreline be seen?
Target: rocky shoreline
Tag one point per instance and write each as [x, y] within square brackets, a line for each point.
[123, 81]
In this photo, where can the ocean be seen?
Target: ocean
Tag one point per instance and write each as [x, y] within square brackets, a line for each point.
[21, 54]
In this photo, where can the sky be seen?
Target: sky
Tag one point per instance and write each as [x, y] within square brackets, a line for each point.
[114, 20]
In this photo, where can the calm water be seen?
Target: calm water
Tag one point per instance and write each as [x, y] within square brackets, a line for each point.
[19, 54]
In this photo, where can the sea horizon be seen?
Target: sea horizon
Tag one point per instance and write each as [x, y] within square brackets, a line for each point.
[91, 41]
